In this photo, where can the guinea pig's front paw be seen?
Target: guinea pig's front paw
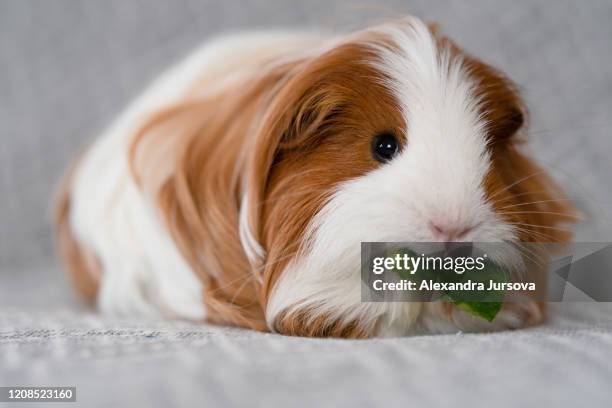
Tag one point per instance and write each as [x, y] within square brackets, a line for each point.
[308, 323]
[518, 315]
[445, 317]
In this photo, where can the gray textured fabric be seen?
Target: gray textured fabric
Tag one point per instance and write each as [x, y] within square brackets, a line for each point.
[131, 363]
[157, 364]
[68, 67]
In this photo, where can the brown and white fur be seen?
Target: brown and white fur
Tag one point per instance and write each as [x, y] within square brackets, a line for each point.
[238, 187]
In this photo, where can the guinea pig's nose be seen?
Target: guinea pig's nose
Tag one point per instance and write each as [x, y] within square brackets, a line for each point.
[448, 233]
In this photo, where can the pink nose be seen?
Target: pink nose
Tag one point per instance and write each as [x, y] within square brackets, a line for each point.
[445, 232]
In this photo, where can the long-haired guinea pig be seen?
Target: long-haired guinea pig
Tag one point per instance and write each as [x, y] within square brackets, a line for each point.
[237, 189]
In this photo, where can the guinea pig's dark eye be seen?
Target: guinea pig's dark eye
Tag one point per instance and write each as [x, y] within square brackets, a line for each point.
[384, 147]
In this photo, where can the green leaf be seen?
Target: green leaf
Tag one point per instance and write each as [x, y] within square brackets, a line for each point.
[486, 310]
[484, 304]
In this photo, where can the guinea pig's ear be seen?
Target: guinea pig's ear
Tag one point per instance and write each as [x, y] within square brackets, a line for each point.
[304, 107]
[500, 101]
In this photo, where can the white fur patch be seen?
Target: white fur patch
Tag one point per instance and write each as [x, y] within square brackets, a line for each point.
[252, 248]
[438, 176]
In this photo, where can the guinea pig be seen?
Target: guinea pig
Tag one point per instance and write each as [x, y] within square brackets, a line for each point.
[237, 189]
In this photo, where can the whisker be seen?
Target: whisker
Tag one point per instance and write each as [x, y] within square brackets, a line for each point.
[536, 234]
[278, 259]
[509, 186]
[529, 254]
[537, 202]
[545, 227]
[251, 276]
[541, 212]
[228, 284]
[531, 251]
[247, 280]
[530, 193]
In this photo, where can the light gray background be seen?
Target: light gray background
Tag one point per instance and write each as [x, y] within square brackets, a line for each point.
[67, 67]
